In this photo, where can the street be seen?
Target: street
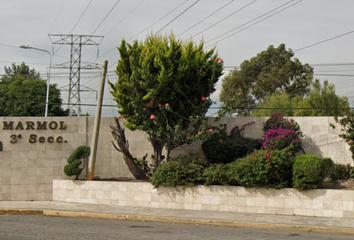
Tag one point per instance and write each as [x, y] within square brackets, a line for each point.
[20, 227]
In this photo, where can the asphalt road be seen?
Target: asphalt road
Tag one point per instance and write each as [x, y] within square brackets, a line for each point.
[23, 227]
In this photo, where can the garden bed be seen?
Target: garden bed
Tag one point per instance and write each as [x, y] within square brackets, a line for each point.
[337, 203]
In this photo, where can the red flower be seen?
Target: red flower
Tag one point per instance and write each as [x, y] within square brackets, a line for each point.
[159, 105]
[216, 60]
[267, 156]
[152, 116]
[167, 105]
[220, 140]
[211, 130]
[199, 133]
[188, 137]
[203, 99]
[144, 109]
[221, 60]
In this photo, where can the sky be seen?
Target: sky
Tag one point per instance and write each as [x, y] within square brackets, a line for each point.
[320, 32]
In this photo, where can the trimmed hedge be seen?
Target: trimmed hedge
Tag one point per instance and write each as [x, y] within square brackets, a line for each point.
[308, 172]
[185, 170]
[264, 168]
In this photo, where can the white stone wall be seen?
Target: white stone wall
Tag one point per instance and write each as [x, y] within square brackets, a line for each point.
[319, 203]
[27, 169]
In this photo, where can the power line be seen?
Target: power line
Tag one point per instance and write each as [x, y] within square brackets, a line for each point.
[126, 16]
[178, 16]
[158, 20]
[326, 40]
[274, 9]
[83, 13]
[207, 17]
[254, 23]
[56, 18]
[238, 10]
[106, 16]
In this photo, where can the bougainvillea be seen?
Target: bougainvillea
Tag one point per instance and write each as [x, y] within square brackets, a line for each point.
[282, 133]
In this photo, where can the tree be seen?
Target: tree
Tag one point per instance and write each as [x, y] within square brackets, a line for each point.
[271, 71]
[23, 93]
[323, 101]
[163, 88]
[277, 103]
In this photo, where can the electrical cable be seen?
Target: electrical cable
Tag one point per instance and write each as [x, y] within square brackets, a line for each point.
[56, 18]
[264, 14]
[206, 17]
[110, 11]
[174, 19]
[254, 23]
[238, 10]
[326, 40]
[157, 20]
[83, 13]
[125, 17]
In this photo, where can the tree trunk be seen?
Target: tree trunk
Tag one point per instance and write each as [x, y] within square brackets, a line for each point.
[158, 147]
[123, 147]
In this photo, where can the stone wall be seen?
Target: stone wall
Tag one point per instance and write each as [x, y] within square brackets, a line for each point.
[319, 203]
[31, 157]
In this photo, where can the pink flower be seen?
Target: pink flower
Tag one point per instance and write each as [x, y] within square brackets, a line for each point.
[220, 140]
[199, 133]
[188, 137]
[144, 109]
[221, 60]
[351, 141]
[167, 105]
[159, 105]
[203, 99]
[211, 130]
[152, 116]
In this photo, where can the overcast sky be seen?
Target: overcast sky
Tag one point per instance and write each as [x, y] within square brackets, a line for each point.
[240, 29]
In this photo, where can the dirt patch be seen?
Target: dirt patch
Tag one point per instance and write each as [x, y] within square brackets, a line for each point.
[340, 184]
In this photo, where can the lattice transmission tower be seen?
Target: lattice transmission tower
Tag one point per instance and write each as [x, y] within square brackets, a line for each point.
[75, 65]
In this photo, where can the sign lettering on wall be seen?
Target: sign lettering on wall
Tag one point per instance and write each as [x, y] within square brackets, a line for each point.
[34, 126]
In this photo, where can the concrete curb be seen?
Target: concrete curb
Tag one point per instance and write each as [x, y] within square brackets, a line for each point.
[197, 221]
[20, 212]
[60, 213]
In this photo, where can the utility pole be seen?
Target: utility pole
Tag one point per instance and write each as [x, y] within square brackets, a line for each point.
[96, 126]
[75, 65]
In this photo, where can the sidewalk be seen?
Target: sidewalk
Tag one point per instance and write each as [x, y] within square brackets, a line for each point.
[51, 208]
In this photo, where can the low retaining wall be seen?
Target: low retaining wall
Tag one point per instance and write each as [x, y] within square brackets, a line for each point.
[320, 202]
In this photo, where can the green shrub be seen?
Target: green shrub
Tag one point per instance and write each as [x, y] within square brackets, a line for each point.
[225, 148]
[74, 161]
[216, 174]
[185, 170]
[341, 172]
[308, 172]
[264, 168]
[327, 164]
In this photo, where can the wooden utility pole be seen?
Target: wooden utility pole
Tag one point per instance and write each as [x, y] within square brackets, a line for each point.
[96, 126]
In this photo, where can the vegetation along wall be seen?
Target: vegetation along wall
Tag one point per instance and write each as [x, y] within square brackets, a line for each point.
[34, 150]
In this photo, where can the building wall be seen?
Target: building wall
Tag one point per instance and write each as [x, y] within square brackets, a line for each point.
[30, 158]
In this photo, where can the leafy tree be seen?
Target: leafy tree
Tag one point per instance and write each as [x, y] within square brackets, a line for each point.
[323, 101]
[277, 103]
[163, 87]
[271, 71]
[23, 93]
